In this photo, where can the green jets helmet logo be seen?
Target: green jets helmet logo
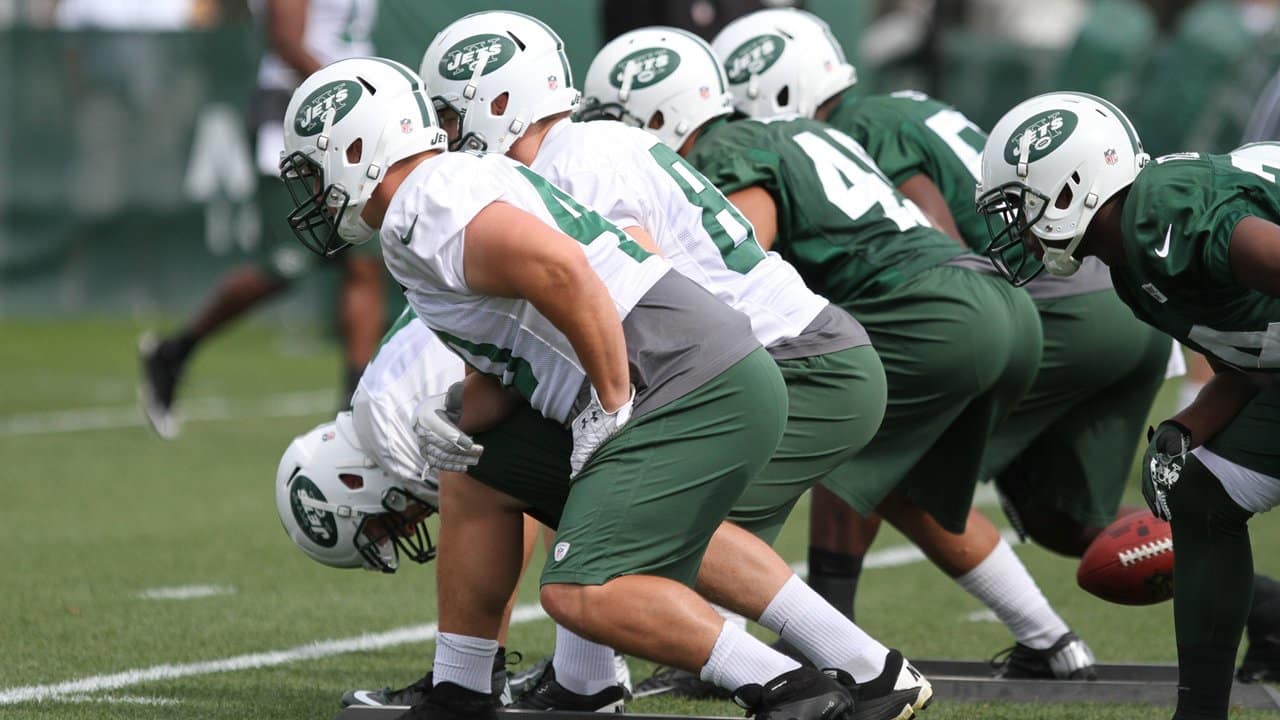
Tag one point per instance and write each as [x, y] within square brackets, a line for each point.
[318, 525]
[650, 66]
[339, 96]
[460, 60]
[753, 57]
[1048, 131]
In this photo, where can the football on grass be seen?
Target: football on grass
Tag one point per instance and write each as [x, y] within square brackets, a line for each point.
[1131, 562]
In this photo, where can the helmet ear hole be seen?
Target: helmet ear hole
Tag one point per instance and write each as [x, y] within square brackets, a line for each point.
[656, 121]
[355, 151]
[784, 96]
[351, 480]
[498, 107]
[1064, 198]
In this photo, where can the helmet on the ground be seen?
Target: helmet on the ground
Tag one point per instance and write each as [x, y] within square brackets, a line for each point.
[1048, 165]
[344, 511]
[500, 72]
[346, 124]
[659, 78]
[782, 61]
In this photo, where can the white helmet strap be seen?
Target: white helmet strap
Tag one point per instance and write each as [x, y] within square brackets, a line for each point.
[1024, 152]
[628, 77]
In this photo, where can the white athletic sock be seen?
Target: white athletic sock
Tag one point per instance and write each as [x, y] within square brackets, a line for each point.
[825, 636]
[739, 659]
[730, 616]
[582, 666]
[1003, 584]
[464, 660]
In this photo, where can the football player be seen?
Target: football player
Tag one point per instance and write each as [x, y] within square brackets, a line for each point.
[506, 102]
[814, 195]
[302, 36]
[1193, 245]
[671, 404]
[1062, 457]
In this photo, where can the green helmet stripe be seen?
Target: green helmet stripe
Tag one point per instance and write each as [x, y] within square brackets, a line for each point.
[564, 61]
[428, 120]
[703, 45]
[1124, 119]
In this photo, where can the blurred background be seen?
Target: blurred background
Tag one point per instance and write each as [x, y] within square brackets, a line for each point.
[129, 180]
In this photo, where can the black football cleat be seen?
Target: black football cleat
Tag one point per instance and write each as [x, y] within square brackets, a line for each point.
[162, 368]
[551, 695]
[898, 693]
[416, 692]
[800, 694]
[679, 683]
[448, 701]
[1067, 659]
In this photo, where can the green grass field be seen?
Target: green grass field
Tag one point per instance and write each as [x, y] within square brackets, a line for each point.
[99, 517]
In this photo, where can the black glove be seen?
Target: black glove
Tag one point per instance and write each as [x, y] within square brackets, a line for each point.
[1167, 447]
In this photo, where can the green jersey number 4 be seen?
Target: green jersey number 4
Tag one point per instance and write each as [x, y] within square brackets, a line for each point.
[853, 183]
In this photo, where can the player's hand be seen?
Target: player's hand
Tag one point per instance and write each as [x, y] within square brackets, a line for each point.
[1167, 446]
[593, 426]
[441, 441]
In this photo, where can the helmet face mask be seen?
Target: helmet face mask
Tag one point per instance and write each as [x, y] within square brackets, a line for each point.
[318, 209]
[341, 509]
[1011, 210]
[402, 530]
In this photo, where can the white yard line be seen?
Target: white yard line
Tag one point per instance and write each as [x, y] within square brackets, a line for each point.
[311, 651]
[889, 557]
[120, 699]
[185, 592]
[292, 404]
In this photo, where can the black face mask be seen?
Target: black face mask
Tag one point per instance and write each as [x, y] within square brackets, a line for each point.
[404, 524]
[1005, 210]
[317, 209]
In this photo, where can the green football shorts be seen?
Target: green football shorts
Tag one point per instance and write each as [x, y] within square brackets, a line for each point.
[1069, 445]
[960, 349]
[835, 403]
[652, 495]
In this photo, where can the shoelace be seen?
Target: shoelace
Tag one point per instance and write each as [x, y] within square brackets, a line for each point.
[1001, 659]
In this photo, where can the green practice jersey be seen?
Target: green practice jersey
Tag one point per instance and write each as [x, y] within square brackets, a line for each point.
[1177, 222]
[841, 223]
[909, 133]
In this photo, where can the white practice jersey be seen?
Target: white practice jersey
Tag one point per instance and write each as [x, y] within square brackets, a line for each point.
[335, 30]
[422, 243]
[410, 365]
[633, 179]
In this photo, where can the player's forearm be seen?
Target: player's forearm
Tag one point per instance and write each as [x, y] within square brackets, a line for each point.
[921, 190]
[1217, 404]
[578, 304]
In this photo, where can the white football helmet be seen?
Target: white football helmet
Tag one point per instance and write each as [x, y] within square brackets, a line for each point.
[486, 55]
[1048, 165]
[662, 79]
[346, 124]
[343, 510]
[782, 61]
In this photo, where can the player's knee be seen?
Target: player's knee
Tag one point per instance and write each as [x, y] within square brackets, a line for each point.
[567, 604]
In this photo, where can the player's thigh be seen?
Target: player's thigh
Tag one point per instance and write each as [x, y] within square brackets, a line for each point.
[835, 403]
[653, 494]
[1080, 463]
[1093, 348]
[526, 456]
[948, 340]
[1245, 456]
